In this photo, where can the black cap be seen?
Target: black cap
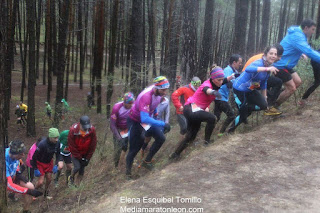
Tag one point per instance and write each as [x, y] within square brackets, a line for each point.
[85, 122]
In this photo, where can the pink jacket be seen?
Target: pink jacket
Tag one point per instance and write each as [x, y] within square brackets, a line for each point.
[30, 154]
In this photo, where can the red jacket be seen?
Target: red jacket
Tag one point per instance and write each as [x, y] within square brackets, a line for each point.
[186, 91]
[82, 146]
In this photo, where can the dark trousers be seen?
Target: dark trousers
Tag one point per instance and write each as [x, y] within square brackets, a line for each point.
[194, 120]
[77, 166]
[316, 83]
[248, 102]
[136, 141]
[118, 146]
[274, 85]
[223, 106]
[182, 123]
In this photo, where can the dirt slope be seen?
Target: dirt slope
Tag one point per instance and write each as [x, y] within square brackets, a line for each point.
[275, 168]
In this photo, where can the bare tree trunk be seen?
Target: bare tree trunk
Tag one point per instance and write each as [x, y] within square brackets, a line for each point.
[252, 29]
[38, 28]
[300, 12]
[80, 41]
[258, 27]
[318, 22]
[63, 28]
[4, 22]
[265, 23]
[206, 40]
[112, 52]
[98, 49]
[31, 17]
[49, 46]
[282, 20]
[241, 18]
[137, 44]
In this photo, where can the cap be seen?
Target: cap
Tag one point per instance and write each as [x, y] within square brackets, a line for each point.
[85, 122]
[53, 133]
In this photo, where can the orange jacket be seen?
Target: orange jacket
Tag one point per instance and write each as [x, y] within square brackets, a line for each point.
[186, 91]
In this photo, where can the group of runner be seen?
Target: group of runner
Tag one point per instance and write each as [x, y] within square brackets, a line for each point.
[74, 146]
[257, 87]
[134, 121]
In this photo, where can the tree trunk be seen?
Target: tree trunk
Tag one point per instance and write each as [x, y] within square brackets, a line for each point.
[31, 17]
[258, 32]
[206, 40]
[189, 30]
[252, 29]
[265, 23]
[80, 41]
[300, 12]
[98, 49]
[137, 44]
[282, 20]
[4, 22]
[318, 22]
[241, 18]
[63, 29]
[112, 52]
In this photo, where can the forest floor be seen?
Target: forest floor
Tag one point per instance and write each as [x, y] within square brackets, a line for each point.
[269, 165]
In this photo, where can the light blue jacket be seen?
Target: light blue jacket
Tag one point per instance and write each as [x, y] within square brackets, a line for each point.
[224, 90]
[294, 44]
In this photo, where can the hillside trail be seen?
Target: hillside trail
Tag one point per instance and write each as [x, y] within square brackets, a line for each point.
[274, 168]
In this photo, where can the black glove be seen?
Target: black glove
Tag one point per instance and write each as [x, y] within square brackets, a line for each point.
[34, 192]
[84, 162]
[236, 75]
[166, 128]
[216, 93]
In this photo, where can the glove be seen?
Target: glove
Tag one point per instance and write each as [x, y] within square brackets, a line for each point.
[34, 192]
[236, 75]
[37, 173]
[55, 169]
[84, 162]
[166, 128]
[216, 93]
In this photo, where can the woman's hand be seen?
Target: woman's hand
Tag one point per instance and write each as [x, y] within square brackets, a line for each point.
[272, 69]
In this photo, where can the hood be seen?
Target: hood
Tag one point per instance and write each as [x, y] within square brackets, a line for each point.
[294, 29]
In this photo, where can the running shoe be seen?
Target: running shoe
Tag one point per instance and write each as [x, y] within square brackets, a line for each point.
[272, 111]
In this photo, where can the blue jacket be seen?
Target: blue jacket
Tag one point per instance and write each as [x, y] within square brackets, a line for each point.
[250, 76]
[224, 90]
[294, 44]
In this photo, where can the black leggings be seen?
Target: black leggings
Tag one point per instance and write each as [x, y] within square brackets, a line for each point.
[77, 166]
[248, 102]
[274, 85]
[223, 106]
[136, 140]
[316, 83]
[194, 120]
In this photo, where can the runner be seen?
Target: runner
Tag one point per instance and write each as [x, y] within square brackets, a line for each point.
[140, 121]
[48, 110]
[29, 159]
[65, 108]
[221, 104]
[65, 156]
[254, 78]
[20, 117]
[274, 84]
[315, 84]
[16, 182]
[118, 124]
[24, 109]
[42, 160]
[295, 43]
[179, 97]
[194, 109]
[82, 142]
[162, 113]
